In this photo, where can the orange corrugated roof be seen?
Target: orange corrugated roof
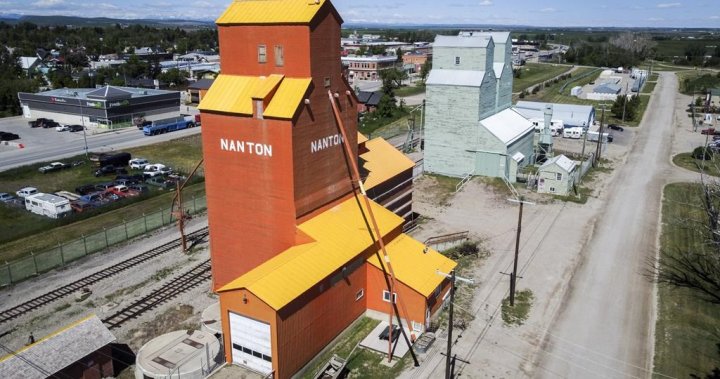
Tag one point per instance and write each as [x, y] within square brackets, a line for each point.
[383, 161]
[270, 12]
[287, 98]
[235, 93]
[340, 234]
[413, 267]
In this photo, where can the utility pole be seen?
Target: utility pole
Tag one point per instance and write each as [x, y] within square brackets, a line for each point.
[600, 138]
[625, 100]
[513, 275]
[582, 155]
[448, 356]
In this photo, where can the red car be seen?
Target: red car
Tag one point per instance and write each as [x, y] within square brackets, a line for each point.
[709, 131]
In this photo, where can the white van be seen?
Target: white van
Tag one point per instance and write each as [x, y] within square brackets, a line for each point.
[26, 191]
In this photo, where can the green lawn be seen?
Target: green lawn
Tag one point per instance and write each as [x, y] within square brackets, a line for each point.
[363, 363]
[409, 90]
[686, 161]
[534, 73]
[649, 87]
[686, 332]
[24, 232]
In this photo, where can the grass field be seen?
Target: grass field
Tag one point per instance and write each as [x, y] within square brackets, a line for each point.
[697, 80]
[685, 160]
[686, 332]
[23, 232]
[534, 73]
[648, 87]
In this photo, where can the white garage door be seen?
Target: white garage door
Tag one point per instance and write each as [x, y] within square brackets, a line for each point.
[250, 343]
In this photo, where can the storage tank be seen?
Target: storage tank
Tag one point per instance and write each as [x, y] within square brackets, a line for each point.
[186, 354]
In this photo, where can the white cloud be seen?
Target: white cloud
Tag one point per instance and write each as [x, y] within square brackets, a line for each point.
[668, 5]
[715, 17]
[48, 3]
[547, 10]
[656, 19]
[486, 2]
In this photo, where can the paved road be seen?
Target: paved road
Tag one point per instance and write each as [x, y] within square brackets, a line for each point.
[62, 145]
[610, 306]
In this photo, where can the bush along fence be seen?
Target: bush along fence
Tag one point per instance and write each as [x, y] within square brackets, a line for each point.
[35, 264]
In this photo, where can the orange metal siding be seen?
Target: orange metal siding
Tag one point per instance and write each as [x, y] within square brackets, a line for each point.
[239, 52]
[411, 304]
[250, 197]
[322, 177]
[308, 324]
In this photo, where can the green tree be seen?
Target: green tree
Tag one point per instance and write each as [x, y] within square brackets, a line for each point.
[174, 77]
[386, 106]
[425, 70]
[392, 78]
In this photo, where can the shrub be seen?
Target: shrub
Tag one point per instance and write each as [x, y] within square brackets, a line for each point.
[702, 153]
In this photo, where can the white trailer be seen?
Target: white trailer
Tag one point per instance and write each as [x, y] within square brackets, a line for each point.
[594, 136]
[574, 133]
[48, 205]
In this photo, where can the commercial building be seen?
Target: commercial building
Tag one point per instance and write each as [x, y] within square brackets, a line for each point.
[417, 59]
[470, 128]
[571, 115]
[108, 107]
[367, 68]
[292, 257]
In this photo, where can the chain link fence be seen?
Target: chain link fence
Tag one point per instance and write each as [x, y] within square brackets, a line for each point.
[37, 263]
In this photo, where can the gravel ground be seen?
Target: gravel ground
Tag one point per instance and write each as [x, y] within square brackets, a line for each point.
[109, 295]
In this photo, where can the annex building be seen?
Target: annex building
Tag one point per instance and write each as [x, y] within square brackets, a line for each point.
[293, 259]
[109, 106]
[470, 127]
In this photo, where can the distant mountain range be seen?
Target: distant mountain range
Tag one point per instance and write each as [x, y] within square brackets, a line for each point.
[101, 21]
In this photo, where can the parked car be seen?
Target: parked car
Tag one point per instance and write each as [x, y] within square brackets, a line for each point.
[155, 169]
[6, 197]
[123, 180]
[616, 127]
[610, 137]
[26, 191]
[80, 206]
[62, 128]
[138, 163]
[160, 181]
[39, 123]
[50, 124]
[107, 170]
[140, 188]
[55, 166]
[104, 186]
[6, 136]
[75, 128]
[85, 189]
[709, 131]
[123, 191]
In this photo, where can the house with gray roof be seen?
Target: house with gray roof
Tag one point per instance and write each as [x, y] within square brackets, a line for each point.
[570, 114]
[557, 176]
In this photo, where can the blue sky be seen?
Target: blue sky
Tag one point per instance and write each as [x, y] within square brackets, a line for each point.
[662, 13]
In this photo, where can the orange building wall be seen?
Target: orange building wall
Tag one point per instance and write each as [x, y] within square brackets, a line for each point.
[410, 303]
[251, 210]
[308, 324]
[322, 176]
[232, 301]
[239, 53]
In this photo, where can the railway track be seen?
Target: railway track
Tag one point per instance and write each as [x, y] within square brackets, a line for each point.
[98, 276]
[188, 280]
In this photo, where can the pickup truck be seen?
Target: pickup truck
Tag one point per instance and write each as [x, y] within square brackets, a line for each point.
[55, 166]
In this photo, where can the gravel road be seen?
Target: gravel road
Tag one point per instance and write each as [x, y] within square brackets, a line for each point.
[610, 305]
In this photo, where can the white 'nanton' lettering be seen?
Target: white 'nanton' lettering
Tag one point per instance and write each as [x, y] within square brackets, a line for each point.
[252, 148]
[325, 142]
